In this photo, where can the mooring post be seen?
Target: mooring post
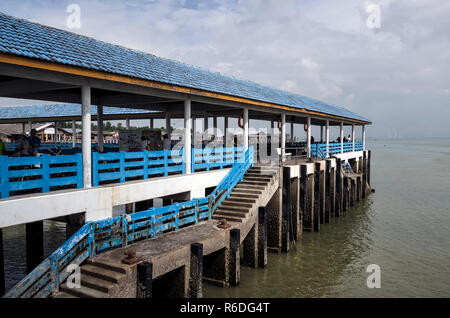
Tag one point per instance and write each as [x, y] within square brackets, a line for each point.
[346, 194]
[364, 175]
[234, 261]
[358, 188]
[303, 197]
[295, 233]
[196, 271]
[274, 220]
[368, 167]
[250, 246]
[352, 191]
[262, 236]
[144, 280]
[327, 191]
[286, 209]
[34, 244]
[338, 204]
[317, 194]
[2, 265]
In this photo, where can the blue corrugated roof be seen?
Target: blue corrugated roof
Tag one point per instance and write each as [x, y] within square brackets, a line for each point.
[24, 38]
[63, 110]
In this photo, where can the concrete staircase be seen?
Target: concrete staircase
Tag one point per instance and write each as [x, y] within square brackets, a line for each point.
[237, 206]
[99, 279]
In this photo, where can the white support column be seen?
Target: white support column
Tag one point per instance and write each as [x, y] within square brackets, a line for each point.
[187, 134]
[353, 136]
[342, 136]
[127, 123]
[100, 128]
[24, 130]
[168, 132]
[292, 131]
[30, 126]
[215, 126]
[152, 123]
[55, 135]
[327, 137]
[194, 131]
[205, 126]
[283, 136]
[86, 123]
[74, 134]
[245, 129]
[321, 133]
[364, 136]
[308, 136]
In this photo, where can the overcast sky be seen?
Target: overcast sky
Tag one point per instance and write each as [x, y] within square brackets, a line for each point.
[397, 75]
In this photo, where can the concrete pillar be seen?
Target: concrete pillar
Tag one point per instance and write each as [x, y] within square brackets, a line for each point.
[187, 134]
[339, 188]
[262, 236]
[358, 188]
[215, 129]
[34, 244]
[100, 128]
[317, 196]
[86, 123]
[353, 137]
[368, 168]
[321, 133]
[152, 123]
[296, 214]
[74, 134]
[205, 126]
[168, 125]
[292, 131]
[286, 209]
[194, 131]
[55, 134]
[127, 123]
[250, 246]
[235, 258]
[24, 130]
[196, 271]
[2, 265]
[274, 217]
[245, 129]
[364, 174]
[283, 136]
[307, 198]
[346, 193]
[144, 280]
[342, 136]
[352, 191]
[327, 137]
[364, 136]
[328, 192]
[225, 131]
[308, 136]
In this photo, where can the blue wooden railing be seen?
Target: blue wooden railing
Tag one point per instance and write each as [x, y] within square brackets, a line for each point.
[99, 236]
[319, 150]
[42, 173]
[210, 158]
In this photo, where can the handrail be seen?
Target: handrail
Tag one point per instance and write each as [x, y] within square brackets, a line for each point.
[99, 236]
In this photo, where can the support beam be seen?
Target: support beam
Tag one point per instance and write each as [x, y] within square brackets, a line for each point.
[86, 123]
[262, 237]
[308, 136]
[74, 134]
[286, 210]
[34, 239]
[245, 129]
[215, 129]
[127, 123]
[30, 126]
[353, 137]
[187, 134]
[364, 136]
[205, 126]
[24, 130]
[152, 123]
[283, 137]
[225, 131]
[194, 131]
[327, 137]
[100, 128]
[196, 271]
[317, 198]
[321, 133]
[342, 136]
[339, 188]
[292, 131]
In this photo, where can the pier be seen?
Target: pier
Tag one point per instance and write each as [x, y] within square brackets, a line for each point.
[226, 202]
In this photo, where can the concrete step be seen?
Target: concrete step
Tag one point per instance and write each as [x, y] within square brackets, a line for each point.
[106, 265]
[245, 191]
[233, 209]
[232, 204]
[228, 218]
[83, 292]
[102, 273]
[96, 283]
[267, 169]
[255, 183]
[65, 295]
[243, 195]
[232, 214]
[258, 175]
[240, 199]
[259, 179]
[248, 187]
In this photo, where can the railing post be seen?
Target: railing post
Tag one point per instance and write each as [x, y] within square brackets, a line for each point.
[95, 169]
[45, 168]
[166, 162]
[145, 164]
[122, 166]
[193, 160]
[4, 177]
[124, 231]
[79, 164]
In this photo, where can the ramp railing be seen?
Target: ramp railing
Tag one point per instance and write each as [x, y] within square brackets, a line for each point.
[100, 236]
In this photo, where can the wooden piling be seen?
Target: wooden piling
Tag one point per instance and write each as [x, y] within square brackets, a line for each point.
[250, 246]
[286, 209]
[339, 188]
[306, 219]
[234, 261]
[364, 175]
[262, 237]
[317, 194]
[196, 271]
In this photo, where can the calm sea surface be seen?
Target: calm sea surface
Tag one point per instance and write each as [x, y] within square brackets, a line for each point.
[404, 228]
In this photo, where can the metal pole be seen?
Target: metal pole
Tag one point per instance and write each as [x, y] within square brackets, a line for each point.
[100, 128]
[308, 136]
[74, 134]
[187, 134]
[342, 136]
[245, 129]
[283, 136]
[86, 123]
[327, 136]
